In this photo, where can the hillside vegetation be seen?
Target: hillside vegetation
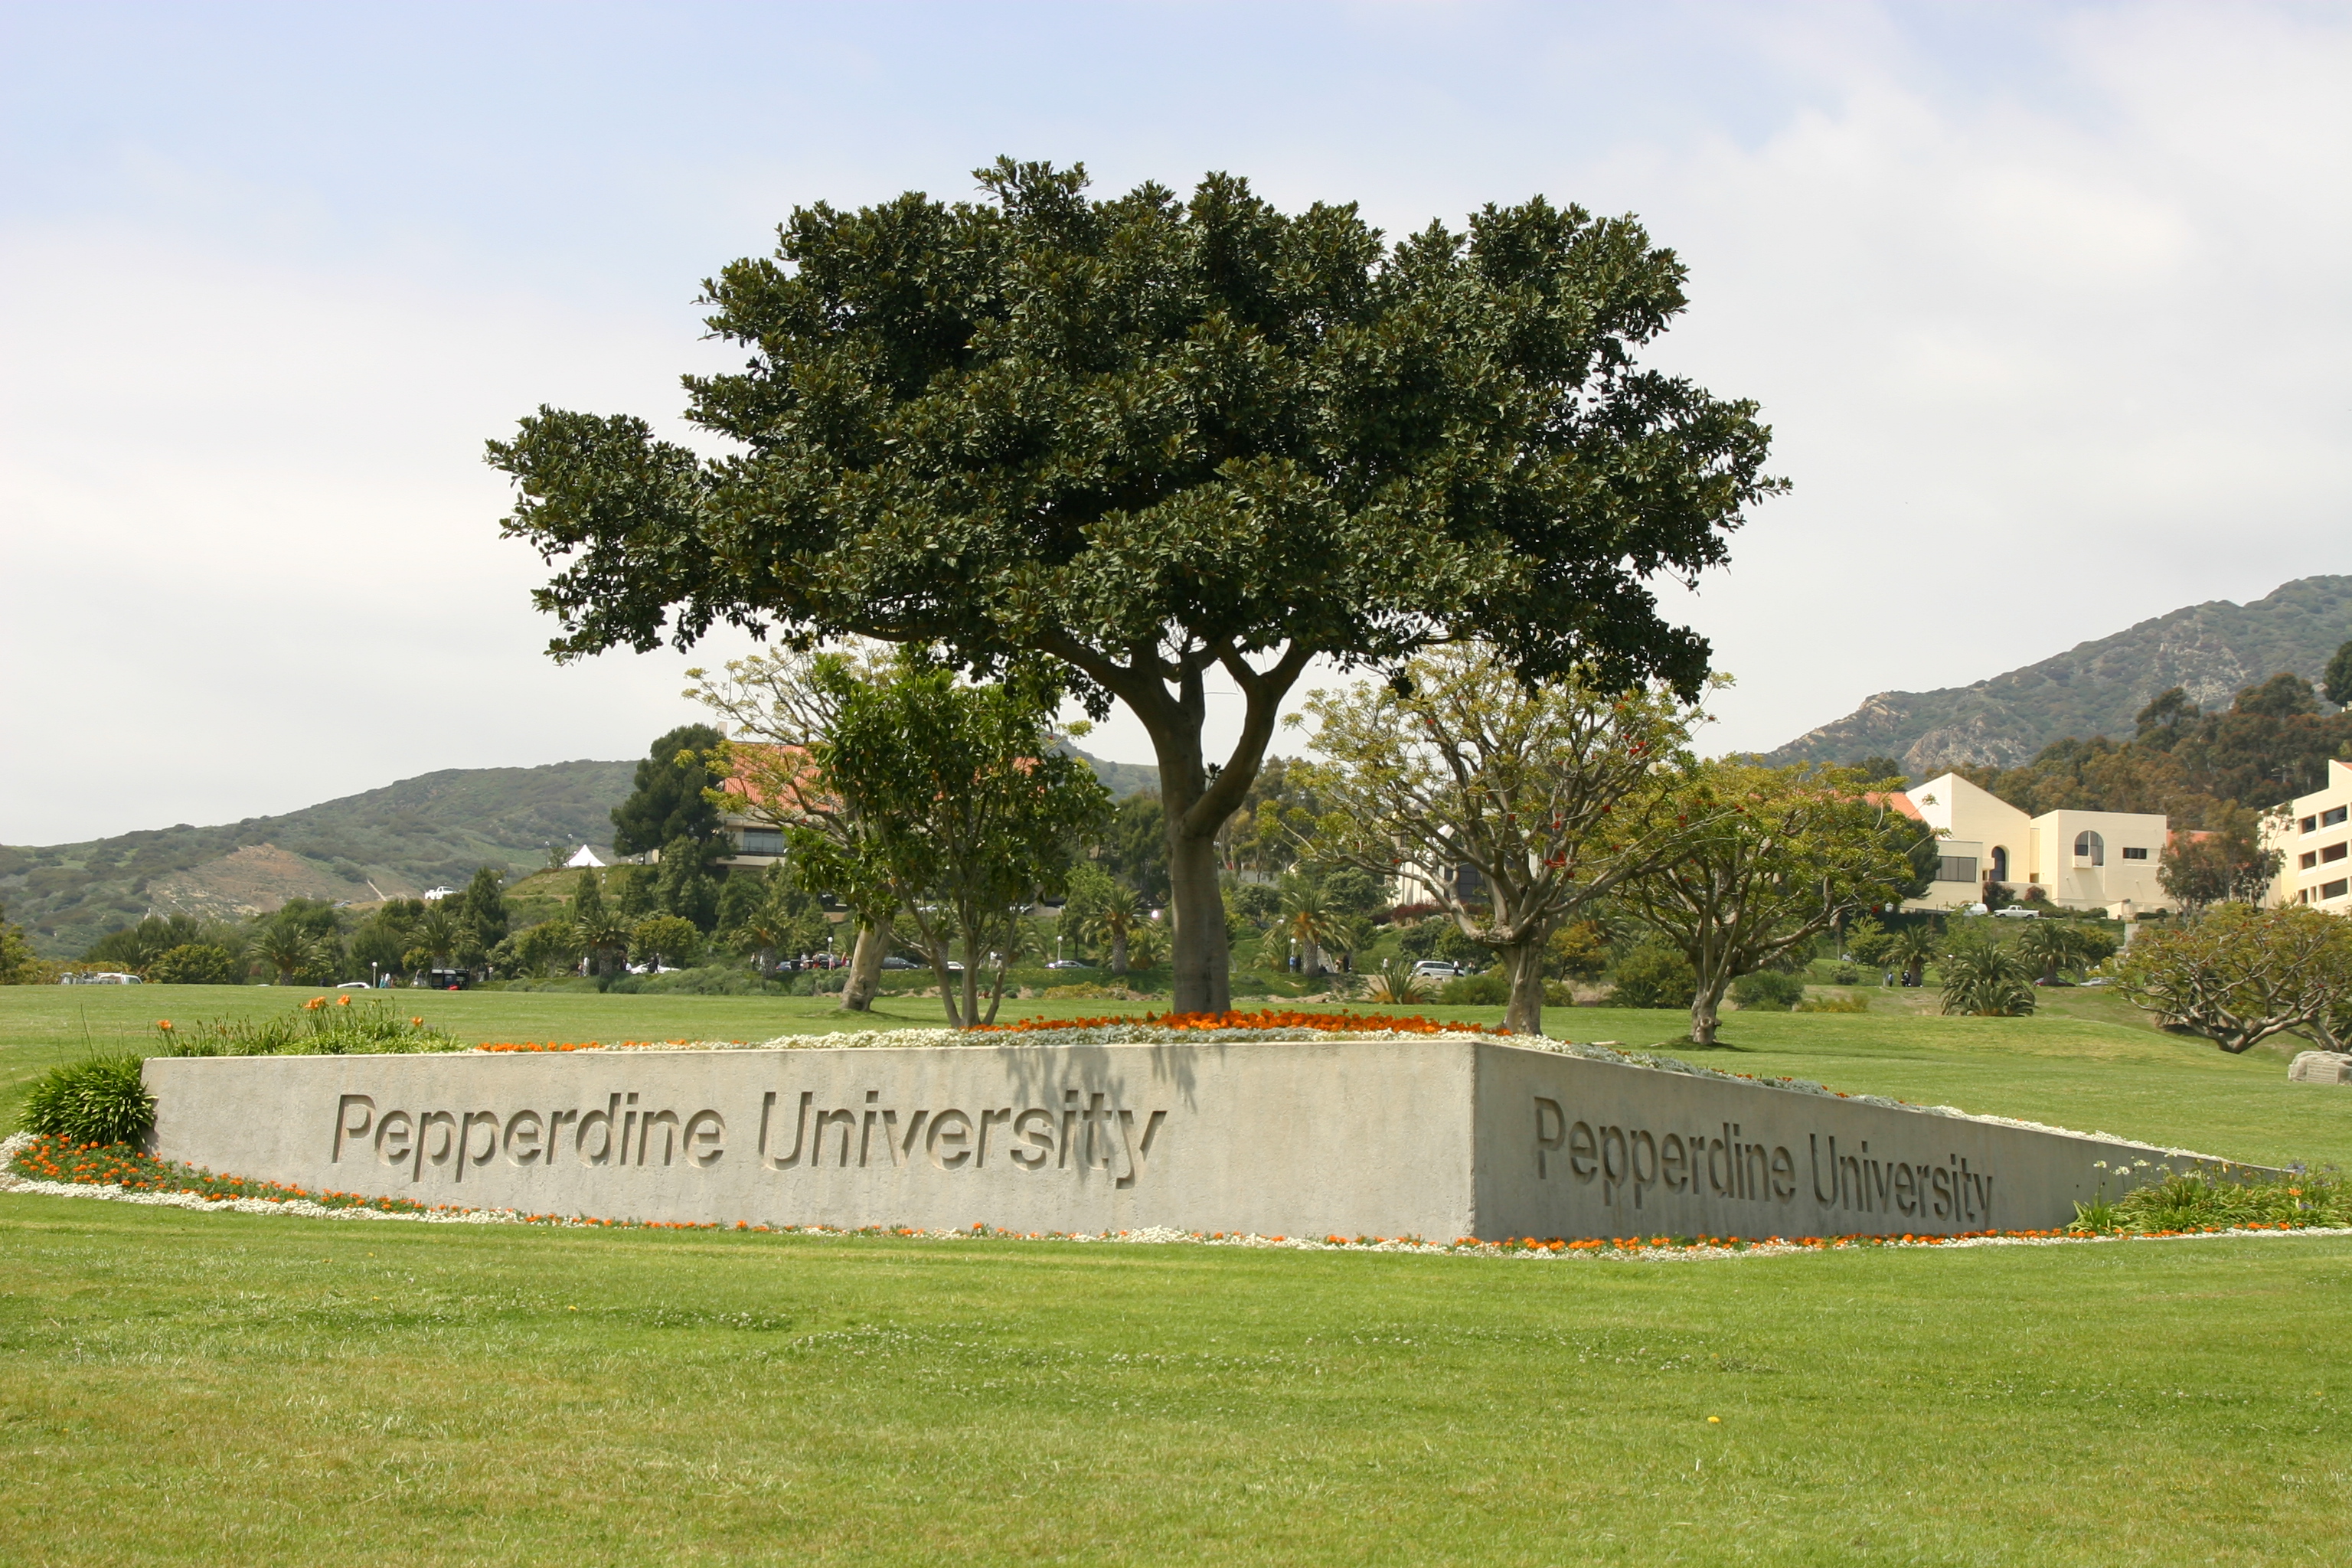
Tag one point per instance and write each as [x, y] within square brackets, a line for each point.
[2210, 651]
[438, 828]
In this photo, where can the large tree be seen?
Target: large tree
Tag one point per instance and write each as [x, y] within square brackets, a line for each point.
[2239, 975]
[668, 803]
[1162, 440]
[1553, 794]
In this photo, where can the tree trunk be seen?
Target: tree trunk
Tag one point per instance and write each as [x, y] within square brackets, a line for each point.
[1706, 1009]
[1119, 953]
[1198, 958]
[864, 970]
[1524, 964]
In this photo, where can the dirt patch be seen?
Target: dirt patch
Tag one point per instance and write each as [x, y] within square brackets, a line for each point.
[252, 880]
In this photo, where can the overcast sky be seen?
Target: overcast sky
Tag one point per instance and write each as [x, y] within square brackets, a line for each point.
[2047, 306]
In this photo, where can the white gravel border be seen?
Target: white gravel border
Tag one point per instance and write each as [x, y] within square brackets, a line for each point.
[302, 1208]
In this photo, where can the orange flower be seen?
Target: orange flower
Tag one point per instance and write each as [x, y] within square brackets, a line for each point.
[165, 1024]
[314, 1004]
[343, 1001]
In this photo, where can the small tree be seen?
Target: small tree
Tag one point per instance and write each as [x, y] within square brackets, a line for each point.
[666, 940]
[1770, 858]
[2224, 864]
[1550, 795]
[781, 706]
[968, 813]
[601, 931]
[2239, 975]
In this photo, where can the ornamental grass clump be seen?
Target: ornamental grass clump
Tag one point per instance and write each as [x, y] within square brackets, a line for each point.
[100, 1099]
[2201, 1200]
[319, 1028]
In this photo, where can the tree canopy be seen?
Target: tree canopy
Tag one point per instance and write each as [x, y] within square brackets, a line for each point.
[668, 803]
[1154, 439]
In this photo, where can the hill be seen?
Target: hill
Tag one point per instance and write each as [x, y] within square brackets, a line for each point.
[406, 837]
[434, 829]
[2212, 650]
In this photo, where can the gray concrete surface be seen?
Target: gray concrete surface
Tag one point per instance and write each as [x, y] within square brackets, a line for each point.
[1434, 1138]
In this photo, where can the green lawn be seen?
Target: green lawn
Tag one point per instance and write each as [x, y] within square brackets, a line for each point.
[179, 1388]
[207, 1389]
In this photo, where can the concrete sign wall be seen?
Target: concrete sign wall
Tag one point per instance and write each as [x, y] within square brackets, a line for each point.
[1434, 1138]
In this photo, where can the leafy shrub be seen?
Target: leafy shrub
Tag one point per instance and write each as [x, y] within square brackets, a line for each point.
[1491, 989]
[100, 1099]
[1768, 991]
[708, 980]
[1654, 976]
[195, 963]
[1845, 974]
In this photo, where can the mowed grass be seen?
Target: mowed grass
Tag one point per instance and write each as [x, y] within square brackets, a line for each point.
[209, 1388]
[216, 1388]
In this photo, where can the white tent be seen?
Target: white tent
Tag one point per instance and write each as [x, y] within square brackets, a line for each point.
[586, 857]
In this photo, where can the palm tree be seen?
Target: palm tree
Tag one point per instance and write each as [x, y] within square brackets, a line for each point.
[1111, 919]
[2054, 945]
[1307, 922]
[1147, 945]
[287, 949]
[1986, 978]
[604, 933]
[1911, 948]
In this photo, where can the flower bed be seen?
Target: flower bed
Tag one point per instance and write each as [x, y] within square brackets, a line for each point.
[52, 1165]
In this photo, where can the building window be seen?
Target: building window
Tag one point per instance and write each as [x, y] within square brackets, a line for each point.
[1955, 867]
[2134, 854]
[761, 840]
[2330, 818]
[2309, 824]
[2307, 860]
[1999, 863]
[2090, 846]
[2333, 852]
[2333, 889]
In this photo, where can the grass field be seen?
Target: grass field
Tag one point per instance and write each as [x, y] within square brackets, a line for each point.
[215, 1388]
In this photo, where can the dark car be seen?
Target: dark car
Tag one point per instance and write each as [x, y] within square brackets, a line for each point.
[895, 961]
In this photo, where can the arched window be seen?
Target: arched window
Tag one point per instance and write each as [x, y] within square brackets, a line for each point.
[1999, 863]
[2089, 845]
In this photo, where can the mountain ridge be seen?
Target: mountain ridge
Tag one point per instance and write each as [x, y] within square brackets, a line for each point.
[393, 841]
[2213, 650]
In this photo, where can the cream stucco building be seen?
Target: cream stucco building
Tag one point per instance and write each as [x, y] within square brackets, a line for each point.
[2317, 840]
[2081, 860]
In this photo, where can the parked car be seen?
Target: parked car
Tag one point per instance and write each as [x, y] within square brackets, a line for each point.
[896, 961]
[1069, 963]
[2018, 912]
[1438, 968]
[355, 985]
